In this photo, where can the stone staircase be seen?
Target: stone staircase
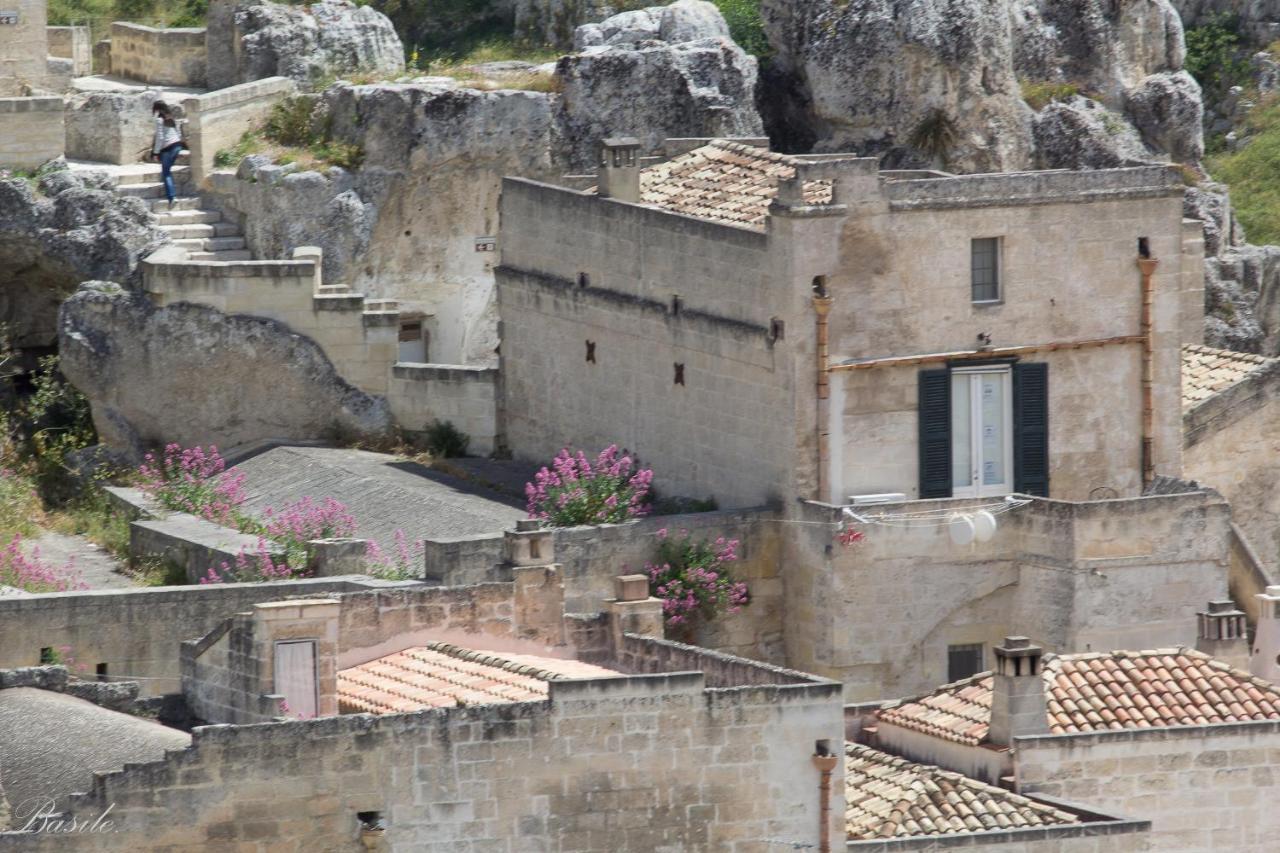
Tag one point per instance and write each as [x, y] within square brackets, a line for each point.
[199, 230]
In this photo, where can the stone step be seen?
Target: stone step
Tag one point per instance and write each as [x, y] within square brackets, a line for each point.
[188, 217]
[161, 205]
[147, 191]
[144, 173]
[211, 244]
[187, 232]
[224, 256]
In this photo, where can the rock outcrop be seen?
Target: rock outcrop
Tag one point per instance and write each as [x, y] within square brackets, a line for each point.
[1080, 133]
[251, 40]
[190, 374]
[74, 228]
[941, 83]
[655, 73]
[553, 22]
[1259, 20]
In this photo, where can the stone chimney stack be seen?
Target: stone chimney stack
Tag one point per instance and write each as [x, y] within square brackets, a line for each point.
[1265, 661]
[620, 169]
[1017, 696]
[1223, 634]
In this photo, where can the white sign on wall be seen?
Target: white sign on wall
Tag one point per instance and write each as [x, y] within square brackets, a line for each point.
[486, 244]
[10, 18]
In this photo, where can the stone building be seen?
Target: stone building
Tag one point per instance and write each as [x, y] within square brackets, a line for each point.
[765, 326]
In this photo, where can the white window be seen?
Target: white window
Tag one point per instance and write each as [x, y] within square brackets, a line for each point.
[981, 431]
[984, 269]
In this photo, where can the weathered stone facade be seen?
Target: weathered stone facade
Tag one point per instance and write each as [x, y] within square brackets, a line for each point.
[164, 57]
[24, 48]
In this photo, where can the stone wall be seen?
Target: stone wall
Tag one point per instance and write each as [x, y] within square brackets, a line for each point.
[165, 57]
[138, 632]
[218, 120]
[111, 127]
[1069, 245]
[1203, 788]
[74, 43]
[625, 765]
[32, 131]
[420, 394]
[24, 50]
[629, 325]
[1231, 441]
[1101, 575]
[360, 343]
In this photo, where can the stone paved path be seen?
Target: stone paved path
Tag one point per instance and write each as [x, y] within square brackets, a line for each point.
[97, 568]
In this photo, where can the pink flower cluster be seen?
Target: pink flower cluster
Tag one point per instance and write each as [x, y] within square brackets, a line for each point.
[32, 573]
[402, 562]
[305, 520]
[252, 567]
[693, 579]
[574, 491]
[193, 480]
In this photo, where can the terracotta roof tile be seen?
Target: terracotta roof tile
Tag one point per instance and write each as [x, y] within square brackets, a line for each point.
[441, 675]
[725, 182]
[1095, 692]
[1206, 371]
[890, 797]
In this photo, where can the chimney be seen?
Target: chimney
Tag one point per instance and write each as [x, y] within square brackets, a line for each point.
[1223, 634]
[619, 176]
[1265, 661]
[1017, 693]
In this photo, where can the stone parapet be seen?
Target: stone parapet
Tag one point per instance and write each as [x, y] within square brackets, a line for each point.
[32, 131]
[1034, 188]
[165, 57]
[218, 119]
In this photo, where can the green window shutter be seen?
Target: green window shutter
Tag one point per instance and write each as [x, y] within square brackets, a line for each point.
[935, 433]
[1031, 429]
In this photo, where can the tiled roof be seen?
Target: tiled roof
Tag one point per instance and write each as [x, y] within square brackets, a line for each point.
[725, 182]
[890, 797]
[1206, 371]
[1101, 691]
[440, 675]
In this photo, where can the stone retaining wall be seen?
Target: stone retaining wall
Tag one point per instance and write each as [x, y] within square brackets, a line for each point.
[74, 43]
[464, 395]
[32, 131]
[172, 57]
[218, 119]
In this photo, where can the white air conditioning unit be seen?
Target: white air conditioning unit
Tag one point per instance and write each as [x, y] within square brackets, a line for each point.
[885, 498]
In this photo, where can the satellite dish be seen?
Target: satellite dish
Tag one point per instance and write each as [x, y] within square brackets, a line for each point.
[962, 529]
[984, 525]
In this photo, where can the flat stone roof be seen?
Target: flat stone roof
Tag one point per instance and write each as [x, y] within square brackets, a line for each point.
[384, 493]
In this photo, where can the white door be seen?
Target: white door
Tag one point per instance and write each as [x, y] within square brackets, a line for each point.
[981, 431]
[296, 677]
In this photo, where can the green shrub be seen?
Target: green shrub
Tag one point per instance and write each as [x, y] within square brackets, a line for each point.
[291, 122]
[745, 25]
[228, 158]
[935, 135]
[444, 440]
[1214, 54]
[1253, 173]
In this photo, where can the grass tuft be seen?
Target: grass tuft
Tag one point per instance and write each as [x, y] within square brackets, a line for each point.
[1253, 173]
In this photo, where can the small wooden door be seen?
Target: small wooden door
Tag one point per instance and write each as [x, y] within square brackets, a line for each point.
[295, 677]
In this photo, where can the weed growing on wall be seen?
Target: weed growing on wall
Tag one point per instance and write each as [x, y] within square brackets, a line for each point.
[446, 441]
[574, 490]
[693, 579]
[28, 571]
[402, 562]
[194, 480]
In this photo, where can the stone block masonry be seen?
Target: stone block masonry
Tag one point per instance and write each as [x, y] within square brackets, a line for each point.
[218, 119]
[74, 43]
[464, 395]
[168, 57]
[24, 51]
[624, 765]
[32, 131]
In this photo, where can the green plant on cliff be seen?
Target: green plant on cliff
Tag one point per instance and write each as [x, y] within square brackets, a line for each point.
[1040, 93]
[745, 25]
[935, 136]
[1214, 52]
[1253, 173]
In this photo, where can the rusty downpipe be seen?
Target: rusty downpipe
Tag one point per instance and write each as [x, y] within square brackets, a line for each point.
[822, 308]
[1147, 266]
[826, 764]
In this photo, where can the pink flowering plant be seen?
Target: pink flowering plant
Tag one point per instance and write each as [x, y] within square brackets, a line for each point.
[300, 522]
[402, 561]
[693, 579]
[253, 566]
[30, 572]
[573, 490]
[193, 480]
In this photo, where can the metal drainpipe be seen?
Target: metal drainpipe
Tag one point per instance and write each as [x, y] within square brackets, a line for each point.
[826, 764]
[1148, 268]
[822, 307]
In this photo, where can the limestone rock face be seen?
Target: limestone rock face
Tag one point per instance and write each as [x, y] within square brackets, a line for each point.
[190, 374]
[879, 73]
[249, 41]
[1167, 110]
[654, 73]
[1080, 133]
[1259, 19]
[553, 22]
[79, 230]
[919, 81]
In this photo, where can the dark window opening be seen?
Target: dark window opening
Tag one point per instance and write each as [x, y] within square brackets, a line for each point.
[101, 671]
[371, 821]
[676, 304]
[777, 329]
[679, 377]
[591, 352]
[819, 285]
[583, 279]
[1144, 247]
[963, 661]
[984, 257]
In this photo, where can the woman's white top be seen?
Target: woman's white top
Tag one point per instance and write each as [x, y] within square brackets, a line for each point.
[165, 136]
